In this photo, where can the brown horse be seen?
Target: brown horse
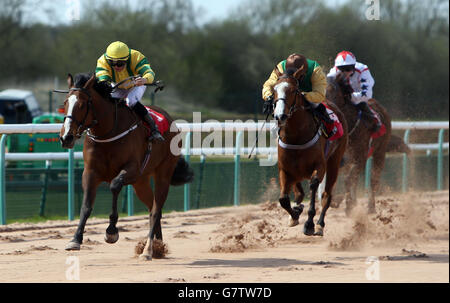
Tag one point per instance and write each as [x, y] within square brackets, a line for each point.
[360, 142]
[303, 152]
[114, 153]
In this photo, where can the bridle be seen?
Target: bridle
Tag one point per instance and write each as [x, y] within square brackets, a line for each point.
[81, 125]
[294, 107]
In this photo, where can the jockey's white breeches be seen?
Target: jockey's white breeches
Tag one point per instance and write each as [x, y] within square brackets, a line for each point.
[131, 96]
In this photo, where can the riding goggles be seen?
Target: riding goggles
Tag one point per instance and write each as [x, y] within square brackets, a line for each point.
[346, 68]
[118, 63]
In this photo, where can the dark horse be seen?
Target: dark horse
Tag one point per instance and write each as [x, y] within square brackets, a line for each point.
[360, 142]
[114, 152]
[303, 152]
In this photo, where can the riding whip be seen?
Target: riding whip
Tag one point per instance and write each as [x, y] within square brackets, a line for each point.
[257, 136]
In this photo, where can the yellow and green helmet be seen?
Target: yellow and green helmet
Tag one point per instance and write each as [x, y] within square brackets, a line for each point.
[117, 51]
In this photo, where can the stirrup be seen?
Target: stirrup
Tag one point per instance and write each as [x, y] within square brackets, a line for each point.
[327, 134]
[156, 135]
[324, 131]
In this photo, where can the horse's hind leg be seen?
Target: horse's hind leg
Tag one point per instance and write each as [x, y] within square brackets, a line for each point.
[161, 192]
[285, 202]
[351, 184]
[126, 176]
[308, 228]
[145, 193]
[90, 184]
[378, 165]
[332, 175]
[162, 179]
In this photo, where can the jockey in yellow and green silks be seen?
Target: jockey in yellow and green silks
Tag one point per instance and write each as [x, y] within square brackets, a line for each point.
[313, 84]
[120, 62]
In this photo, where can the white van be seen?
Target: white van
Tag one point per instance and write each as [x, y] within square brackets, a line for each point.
[18, 106]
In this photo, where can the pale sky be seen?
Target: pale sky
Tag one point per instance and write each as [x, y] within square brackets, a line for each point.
[55, 11]
[216, 9]
[41, 10]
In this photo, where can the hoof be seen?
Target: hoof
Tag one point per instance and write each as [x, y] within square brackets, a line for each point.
[293, 222]
[111, 239]
[308, 229]
[336, 201]
[319, 231]
[298, 209]
[73, 246]
[145, 257]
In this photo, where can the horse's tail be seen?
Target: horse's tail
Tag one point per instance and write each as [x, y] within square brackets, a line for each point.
[182, 174]
[397, 145]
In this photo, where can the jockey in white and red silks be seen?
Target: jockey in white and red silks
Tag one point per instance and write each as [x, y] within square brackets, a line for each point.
[359, 77]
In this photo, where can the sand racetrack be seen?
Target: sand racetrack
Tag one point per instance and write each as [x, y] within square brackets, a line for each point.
[409, 236]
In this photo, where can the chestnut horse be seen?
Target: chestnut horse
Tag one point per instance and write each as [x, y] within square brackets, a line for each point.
[114, 151]
[303, 152]
[360, 142]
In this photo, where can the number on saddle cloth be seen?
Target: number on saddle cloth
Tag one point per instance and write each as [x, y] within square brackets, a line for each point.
[334, 130]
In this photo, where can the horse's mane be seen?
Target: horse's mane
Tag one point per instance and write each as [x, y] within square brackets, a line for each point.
[103, 88]
[290, 72]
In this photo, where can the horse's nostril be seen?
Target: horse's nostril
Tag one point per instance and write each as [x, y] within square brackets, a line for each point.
[283, 117]
[66, 140]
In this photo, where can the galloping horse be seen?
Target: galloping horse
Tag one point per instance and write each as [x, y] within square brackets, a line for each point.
[303, 153]
[361, 144]
[114, 151]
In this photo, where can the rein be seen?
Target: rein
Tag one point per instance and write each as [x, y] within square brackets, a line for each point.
[159, 86]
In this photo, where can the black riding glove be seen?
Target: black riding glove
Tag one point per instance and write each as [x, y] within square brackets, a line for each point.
[268, 106]
[159, 85]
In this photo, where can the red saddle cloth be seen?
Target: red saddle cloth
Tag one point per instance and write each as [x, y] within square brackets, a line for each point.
[334, 128]
[160, 120]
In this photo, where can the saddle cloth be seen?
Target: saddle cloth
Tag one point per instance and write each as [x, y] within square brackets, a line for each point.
[379, 133]
[336, 127]
[160, 120]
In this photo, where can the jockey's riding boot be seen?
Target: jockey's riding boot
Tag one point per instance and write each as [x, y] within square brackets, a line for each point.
[366, 111]
[154, 132]
[322, 113]
[142, 112]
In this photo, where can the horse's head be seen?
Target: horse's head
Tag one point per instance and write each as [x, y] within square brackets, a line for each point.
[78, 112]
[286, 91]
[339, 90]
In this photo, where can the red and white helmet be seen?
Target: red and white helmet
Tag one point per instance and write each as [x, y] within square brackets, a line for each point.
[345, 58]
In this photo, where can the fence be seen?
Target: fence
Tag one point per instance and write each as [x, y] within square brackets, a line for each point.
[189, 129]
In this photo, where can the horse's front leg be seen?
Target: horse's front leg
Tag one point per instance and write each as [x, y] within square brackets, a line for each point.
[90, 183]
[298, 198]
[285, 188]
[126, 176]
[308, 228]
